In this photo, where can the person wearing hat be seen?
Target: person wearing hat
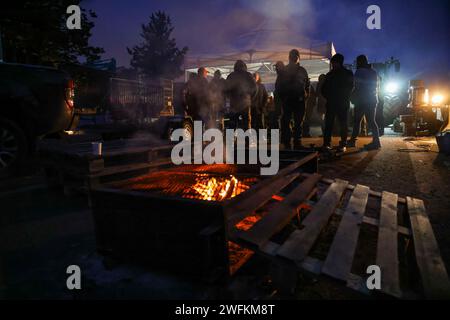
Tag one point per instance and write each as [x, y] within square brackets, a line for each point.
[293, 91]
[336, 89]
[365, 99]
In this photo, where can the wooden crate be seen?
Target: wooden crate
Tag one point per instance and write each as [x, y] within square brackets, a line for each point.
[75, 167]
[402, 245]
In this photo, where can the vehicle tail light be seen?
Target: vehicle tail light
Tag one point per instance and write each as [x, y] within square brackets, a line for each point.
[70, 93]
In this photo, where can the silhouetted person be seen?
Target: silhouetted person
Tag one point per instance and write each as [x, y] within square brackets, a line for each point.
[379, 114]
[275, 112]
[337, 89]
[217, 96]
[187, 97]
[365, 99]
[321, 102]
[240, 87]
[259, 103]
[311, 103]
[198, 96]
[293, 88]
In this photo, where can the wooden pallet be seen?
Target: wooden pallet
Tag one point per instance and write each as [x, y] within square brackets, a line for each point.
[398, 221]
[74, 166]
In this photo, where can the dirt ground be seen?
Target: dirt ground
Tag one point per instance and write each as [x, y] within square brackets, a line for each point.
[42, 232]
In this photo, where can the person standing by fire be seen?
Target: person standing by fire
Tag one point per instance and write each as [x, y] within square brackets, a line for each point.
[337, 89]
[293, 91]
[216, 97]
[197, 96]
[259, 103]
[240, 87]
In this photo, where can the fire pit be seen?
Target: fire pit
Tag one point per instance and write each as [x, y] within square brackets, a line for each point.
[179, 218]
[204, 182]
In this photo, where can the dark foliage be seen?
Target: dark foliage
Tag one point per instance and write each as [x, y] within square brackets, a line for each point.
[158, 54]
[36, 32]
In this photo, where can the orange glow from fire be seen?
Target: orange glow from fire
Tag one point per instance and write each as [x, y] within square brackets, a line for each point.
[248, 222]
[215, 190]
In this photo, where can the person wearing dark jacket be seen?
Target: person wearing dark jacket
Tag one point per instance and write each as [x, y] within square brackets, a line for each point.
[321, 102]
[311, 103]
[240, 88]
[365, 99]
[336, 89]
[197, 95]
[274, 112]
[293, 91]
[216, 97]
[259, 103]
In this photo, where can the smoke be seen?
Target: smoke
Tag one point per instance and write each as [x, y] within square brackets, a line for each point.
[205, 26]
[230, 26]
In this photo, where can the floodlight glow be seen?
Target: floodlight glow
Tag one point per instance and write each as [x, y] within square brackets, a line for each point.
[426, 97]
[437, 99]
[391, 87]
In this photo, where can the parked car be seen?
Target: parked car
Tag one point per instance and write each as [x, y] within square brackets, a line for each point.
[34, 101]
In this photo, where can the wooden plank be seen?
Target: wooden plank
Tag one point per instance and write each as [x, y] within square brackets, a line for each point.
[371, 192]
[281, 213]
[338, 263]
[300, 242]
[256, 200]
[268, 181]
[311, 265]
[432, 269]
[375, 222]
[243, 205]
[387, 246]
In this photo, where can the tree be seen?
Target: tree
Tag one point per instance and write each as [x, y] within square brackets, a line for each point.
[158, 54]
[36, 32]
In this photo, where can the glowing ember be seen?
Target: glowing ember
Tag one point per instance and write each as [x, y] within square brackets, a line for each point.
[192, 183]
[248, 222]
[214, 189]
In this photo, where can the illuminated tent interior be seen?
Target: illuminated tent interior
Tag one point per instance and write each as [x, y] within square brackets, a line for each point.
[262, 59]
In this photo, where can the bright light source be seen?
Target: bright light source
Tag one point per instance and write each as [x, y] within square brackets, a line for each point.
[391, 87]
[437, 99]
[426, 97]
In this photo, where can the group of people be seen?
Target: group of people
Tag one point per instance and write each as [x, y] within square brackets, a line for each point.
[293, 100]
[339, 88]
[248, 97]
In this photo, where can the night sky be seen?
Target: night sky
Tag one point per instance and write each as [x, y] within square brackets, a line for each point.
[416, 32]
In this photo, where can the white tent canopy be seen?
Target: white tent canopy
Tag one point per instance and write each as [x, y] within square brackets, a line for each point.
[315, 60]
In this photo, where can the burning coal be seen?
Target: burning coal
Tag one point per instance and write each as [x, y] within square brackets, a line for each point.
[193, 185]
[216, 190]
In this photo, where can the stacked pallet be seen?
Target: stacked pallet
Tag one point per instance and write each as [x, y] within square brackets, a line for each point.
[74, 166]
[402, 245]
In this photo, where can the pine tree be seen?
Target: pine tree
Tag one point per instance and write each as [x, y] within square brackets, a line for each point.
[158, 55]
